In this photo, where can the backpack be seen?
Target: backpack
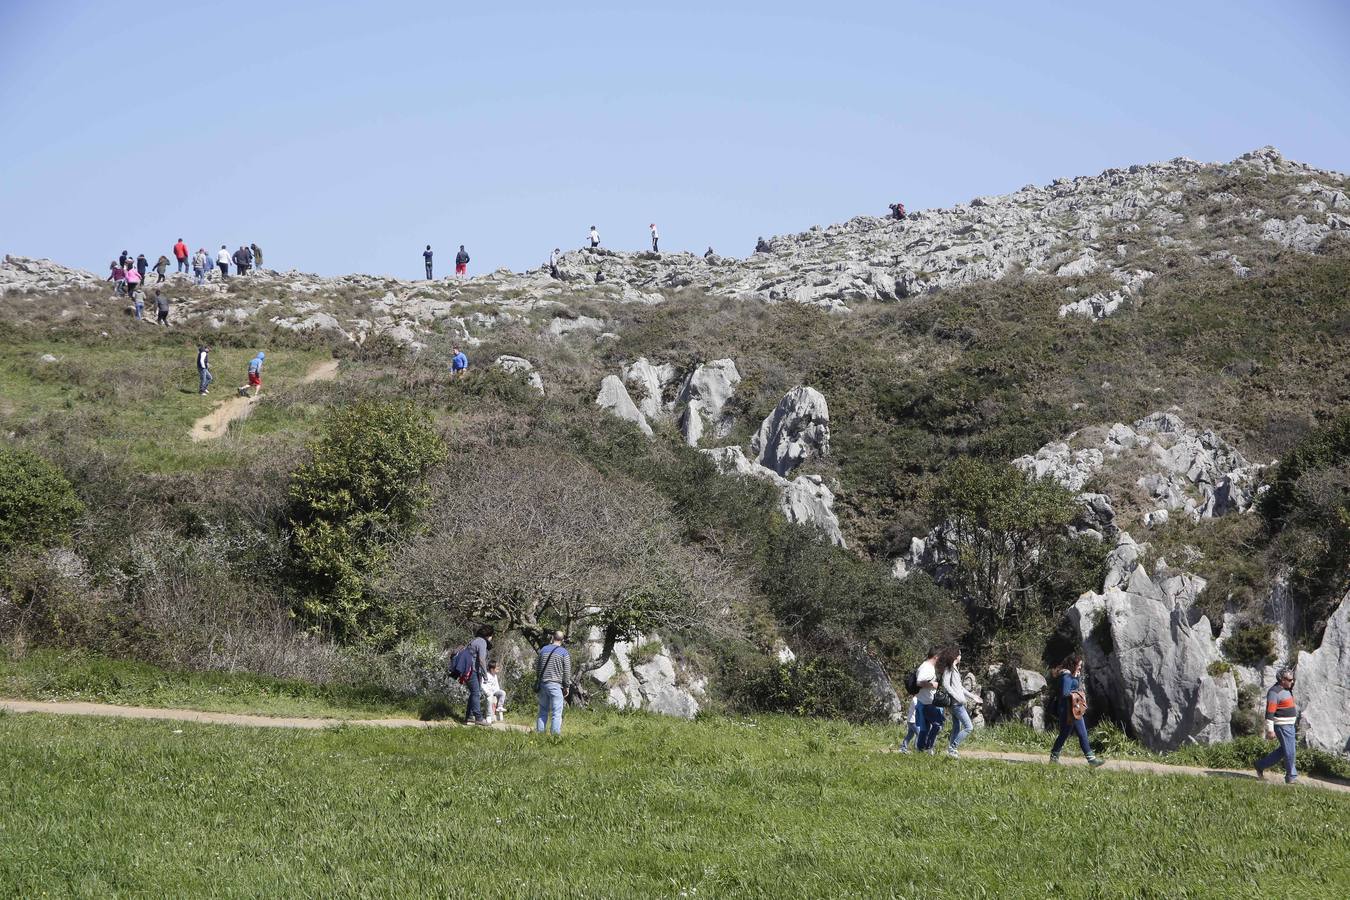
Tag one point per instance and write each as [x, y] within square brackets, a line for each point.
[461, 665]
[912, 682]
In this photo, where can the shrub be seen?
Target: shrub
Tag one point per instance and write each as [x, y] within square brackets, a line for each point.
[38, 507]
[808, 687]
[1252, 644]
[362, 486]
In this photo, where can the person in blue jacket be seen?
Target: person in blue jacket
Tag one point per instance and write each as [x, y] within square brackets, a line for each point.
[1069, 681]
[255, 366]
[459, 364]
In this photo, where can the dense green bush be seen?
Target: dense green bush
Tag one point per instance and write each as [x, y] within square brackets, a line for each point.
[1252, 644]
[38, 507]
[811, 687]
[361, 488]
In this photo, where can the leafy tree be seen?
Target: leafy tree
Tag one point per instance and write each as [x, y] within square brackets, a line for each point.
[362, 487]
[38, 506]
[1004, 531]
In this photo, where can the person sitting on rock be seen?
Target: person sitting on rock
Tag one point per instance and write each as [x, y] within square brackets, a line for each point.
[897, 211]
[761, 246]
[709, 254]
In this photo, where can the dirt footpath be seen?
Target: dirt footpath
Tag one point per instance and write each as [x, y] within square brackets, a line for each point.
[217, 421]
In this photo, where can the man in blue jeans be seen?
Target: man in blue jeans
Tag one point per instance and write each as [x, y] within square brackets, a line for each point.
[1281, 722]
[473, 715]
[552, 672]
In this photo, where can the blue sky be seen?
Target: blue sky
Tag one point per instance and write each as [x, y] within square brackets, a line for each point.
[344, 136]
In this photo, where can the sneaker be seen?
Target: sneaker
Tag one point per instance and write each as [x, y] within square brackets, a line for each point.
[1096, 761]
[1291, 779]
[904, 748]
[953, 753]
[1260, 773]
[1054, 758]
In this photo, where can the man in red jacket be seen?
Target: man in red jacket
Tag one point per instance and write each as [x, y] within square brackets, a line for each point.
[180, 253]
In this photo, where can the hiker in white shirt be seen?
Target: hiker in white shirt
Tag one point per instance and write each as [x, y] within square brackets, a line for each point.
[928, 717]
[655, 237]
[950, 676]
[223, 260]
[595, 238]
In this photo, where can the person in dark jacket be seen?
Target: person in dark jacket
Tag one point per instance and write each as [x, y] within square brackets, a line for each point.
[480, 645]
[256, 253]
[240, 261]
[426, 259]
[461, 262]
[1068, 682]
[1281, 722]
[161, 266]
[553, 674]
[161, 308]
[122, 260]
[142, 264]
[204, 378]
[761, 246]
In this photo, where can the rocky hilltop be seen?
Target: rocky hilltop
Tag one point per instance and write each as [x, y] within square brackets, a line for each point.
[1164, 465]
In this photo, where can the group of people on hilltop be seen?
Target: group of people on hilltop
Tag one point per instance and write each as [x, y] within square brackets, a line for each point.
[461, 262]
[473, 667]
[936, 687]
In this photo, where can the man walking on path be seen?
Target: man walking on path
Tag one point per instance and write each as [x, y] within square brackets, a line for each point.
[161, 308]
[256, 261]
[552, 674]
[180, 253]
[461, 263]
[255, 366]
[199, 266]
[223, 260]
[553, 259]
[1281, 721]
[655, 237]
[204, 378]
[595, 238]
[240, 261]
[479, 650]
[426, 258]
[459, 364]
[141, 265]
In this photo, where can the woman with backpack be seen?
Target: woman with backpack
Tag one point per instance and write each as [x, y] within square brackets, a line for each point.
[950, 678]
[1070, 700]
[928, 715]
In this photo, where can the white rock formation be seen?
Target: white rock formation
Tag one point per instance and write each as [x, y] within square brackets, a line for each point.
[798, 429]
[648, 383]
[641, 674]
[805, 500]
[703, 395]
[1324, 685]
[521, 366]
[614, 397]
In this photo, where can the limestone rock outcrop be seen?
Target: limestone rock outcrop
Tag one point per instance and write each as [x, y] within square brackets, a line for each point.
[614, 397]
[642, 674]
[1324, 685]
[805, 500]
[1151, 665]
[520, 366]
[798, 429]
[703, 395]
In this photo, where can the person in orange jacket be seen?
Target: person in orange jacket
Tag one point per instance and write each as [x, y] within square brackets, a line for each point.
[180, 253]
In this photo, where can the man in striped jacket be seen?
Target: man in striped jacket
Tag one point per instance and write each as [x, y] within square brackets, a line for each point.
[1281, 719]
[552, 673]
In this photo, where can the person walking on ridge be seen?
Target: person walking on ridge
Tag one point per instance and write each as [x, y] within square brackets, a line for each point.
[122, 260]
[137, 305]
[223, 260]
[161, 266]
[256, 253]
[117, 274]
[240, 261]
[133, 281]
[595, 238]
[161, 308]
[255, 367]
[199, 266]
[180, 253]
[426, 259]
[459, 364]
[204, 378]
[462, 263]
[553, 259]
[655, 238]
[552, 675]
[1281, 725]
[1071, 702]
[761, 246]
[248, 257]
[142, 265]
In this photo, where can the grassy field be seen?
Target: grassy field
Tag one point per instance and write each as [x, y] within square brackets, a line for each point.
[137, 397]
[624, 806]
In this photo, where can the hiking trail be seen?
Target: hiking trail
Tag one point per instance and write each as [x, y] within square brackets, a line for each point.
[74, 708]
[217, 421]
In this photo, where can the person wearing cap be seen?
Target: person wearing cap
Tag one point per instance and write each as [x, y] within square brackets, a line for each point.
[552, 674]
[1281, 722]
[655, 237]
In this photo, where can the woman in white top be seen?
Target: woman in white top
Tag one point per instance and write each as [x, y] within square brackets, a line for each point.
[928, 716]
[950, 677]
